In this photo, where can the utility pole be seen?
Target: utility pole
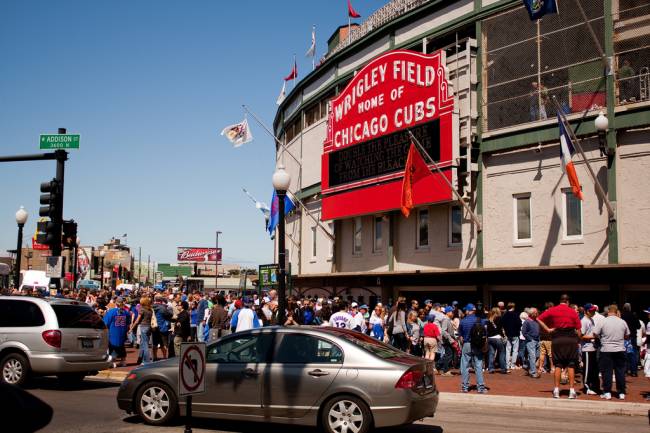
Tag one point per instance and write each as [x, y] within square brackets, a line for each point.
[139, 265]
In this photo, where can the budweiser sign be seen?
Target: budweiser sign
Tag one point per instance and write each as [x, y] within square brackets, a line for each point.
[186, 254]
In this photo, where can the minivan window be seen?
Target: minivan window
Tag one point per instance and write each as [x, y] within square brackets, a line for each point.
[16, 313]
[77, 316]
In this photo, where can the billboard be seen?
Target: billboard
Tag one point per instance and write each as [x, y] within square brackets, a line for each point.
[367, 142]
[200, 255]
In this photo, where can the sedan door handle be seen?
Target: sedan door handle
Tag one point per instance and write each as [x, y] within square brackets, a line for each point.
[251, 373]
[318, 373]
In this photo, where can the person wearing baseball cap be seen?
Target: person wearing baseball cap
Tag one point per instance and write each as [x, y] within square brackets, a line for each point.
[591, 381]
[118, 321]
[471, 352]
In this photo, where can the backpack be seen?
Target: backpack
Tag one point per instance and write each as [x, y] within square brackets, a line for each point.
[478, 337]
[391, 324]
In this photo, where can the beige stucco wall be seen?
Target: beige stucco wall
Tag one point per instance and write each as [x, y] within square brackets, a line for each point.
[367, 260]
[454, 10]
[633, 193]
[322, 262]
[312, 142]
[540, 174]
[439, 254]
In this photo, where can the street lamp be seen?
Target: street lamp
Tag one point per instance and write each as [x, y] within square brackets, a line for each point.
[21, 219]
[75, 263]
[602, 123]
[281, 180]
[216, 264]
[102, 254]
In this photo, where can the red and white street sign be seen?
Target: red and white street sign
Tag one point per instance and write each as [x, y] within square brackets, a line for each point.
[191, 369]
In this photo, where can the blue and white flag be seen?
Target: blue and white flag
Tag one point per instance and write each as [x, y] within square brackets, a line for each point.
[538, 8]
[289, 205]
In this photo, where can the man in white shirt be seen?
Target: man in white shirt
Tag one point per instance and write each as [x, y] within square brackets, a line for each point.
[612, 333]
[341, 319]
[591, 382]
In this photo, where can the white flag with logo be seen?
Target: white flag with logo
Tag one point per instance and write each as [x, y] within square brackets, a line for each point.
[311, 52]
[238, 134]
[283, 93]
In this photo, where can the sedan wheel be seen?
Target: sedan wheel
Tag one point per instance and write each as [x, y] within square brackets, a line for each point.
[346, 414]
[156, 403]
[14, 369]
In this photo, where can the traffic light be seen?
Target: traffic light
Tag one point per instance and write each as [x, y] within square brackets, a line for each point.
[51, 199]
[69, 234]
[47, 233]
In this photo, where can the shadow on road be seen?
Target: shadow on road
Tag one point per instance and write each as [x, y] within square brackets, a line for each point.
[52, 383]
[255, 427]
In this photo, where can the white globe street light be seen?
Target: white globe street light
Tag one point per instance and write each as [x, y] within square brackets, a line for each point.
[281, 181]
[21, 216]
[21, 219]
[602, 123]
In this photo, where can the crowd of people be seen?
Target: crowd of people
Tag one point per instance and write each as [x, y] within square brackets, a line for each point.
[600, 344]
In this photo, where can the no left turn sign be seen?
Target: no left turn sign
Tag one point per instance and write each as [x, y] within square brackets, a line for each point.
[191, 369]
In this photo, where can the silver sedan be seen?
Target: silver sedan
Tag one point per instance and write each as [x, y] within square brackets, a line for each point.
[341, 380]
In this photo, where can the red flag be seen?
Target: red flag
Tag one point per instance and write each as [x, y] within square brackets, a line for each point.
[416, 170]
[293, 74]
[351, 12]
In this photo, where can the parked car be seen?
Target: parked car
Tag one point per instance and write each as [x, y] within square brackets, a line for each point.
[50, 337]
[339, 379]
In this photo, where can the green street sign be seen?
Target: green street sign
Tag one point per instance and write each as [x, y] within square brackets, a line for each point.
[60, 141]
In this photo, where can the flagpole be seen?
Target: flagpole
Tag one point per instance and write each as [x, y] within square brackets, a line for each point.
[599, 189]
[313, 57]
[475, 218]
[349, 24]
[329, 235]
[284, 147]
[295, 66]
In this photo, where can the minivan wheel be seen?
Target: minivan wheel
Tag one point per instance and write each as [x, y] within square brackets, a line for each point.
[156, 403]
[15, 369]
[346, 414]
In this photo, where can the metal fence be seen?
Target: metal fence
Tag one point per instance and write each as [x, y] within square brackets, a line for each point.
[381, 16]
[527, 63]
[632, 49]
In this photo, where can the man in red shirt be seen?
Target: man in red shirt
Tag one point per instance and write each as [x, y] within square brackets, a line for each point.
[563, 323]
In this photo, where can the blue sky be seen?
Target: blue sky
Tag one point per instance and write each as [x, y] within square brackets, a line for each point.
[149, 85]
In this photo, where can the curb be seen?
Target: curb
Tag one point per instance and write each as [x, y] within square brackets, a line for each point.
[537, 403]
[113, 376]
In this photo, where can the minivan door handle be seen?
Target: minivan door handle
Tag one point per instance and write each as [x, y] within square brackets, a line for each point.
[318, 373]
[249, 372]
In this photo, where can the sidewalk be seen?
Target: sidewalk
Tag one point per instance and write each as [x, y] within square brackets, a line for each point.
[513, 390]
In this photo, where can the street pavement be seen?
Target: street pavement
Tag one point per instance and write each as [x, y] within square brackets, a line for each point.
[91, 408]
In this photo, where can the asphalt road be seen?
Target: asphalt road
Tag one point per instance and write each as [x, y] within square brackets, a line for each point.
[91, 408]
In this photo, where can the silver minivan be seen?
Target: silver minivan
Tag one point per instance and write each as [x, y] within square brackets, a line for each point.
[50, 336]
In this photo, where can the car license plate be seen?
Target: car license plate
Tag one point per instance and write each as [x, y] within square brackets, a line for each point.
[86, 344]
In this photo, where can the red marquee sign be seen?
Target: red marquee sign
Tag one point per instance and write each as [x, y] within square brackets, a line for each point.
[367, 136]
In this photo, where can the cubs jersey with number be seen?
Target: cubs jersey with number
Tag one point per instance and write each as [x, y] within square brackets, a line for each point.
[341, 320]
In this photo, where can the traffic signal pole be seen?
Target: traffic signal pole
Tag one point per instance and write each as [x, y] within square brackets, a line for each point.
[60, 156]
